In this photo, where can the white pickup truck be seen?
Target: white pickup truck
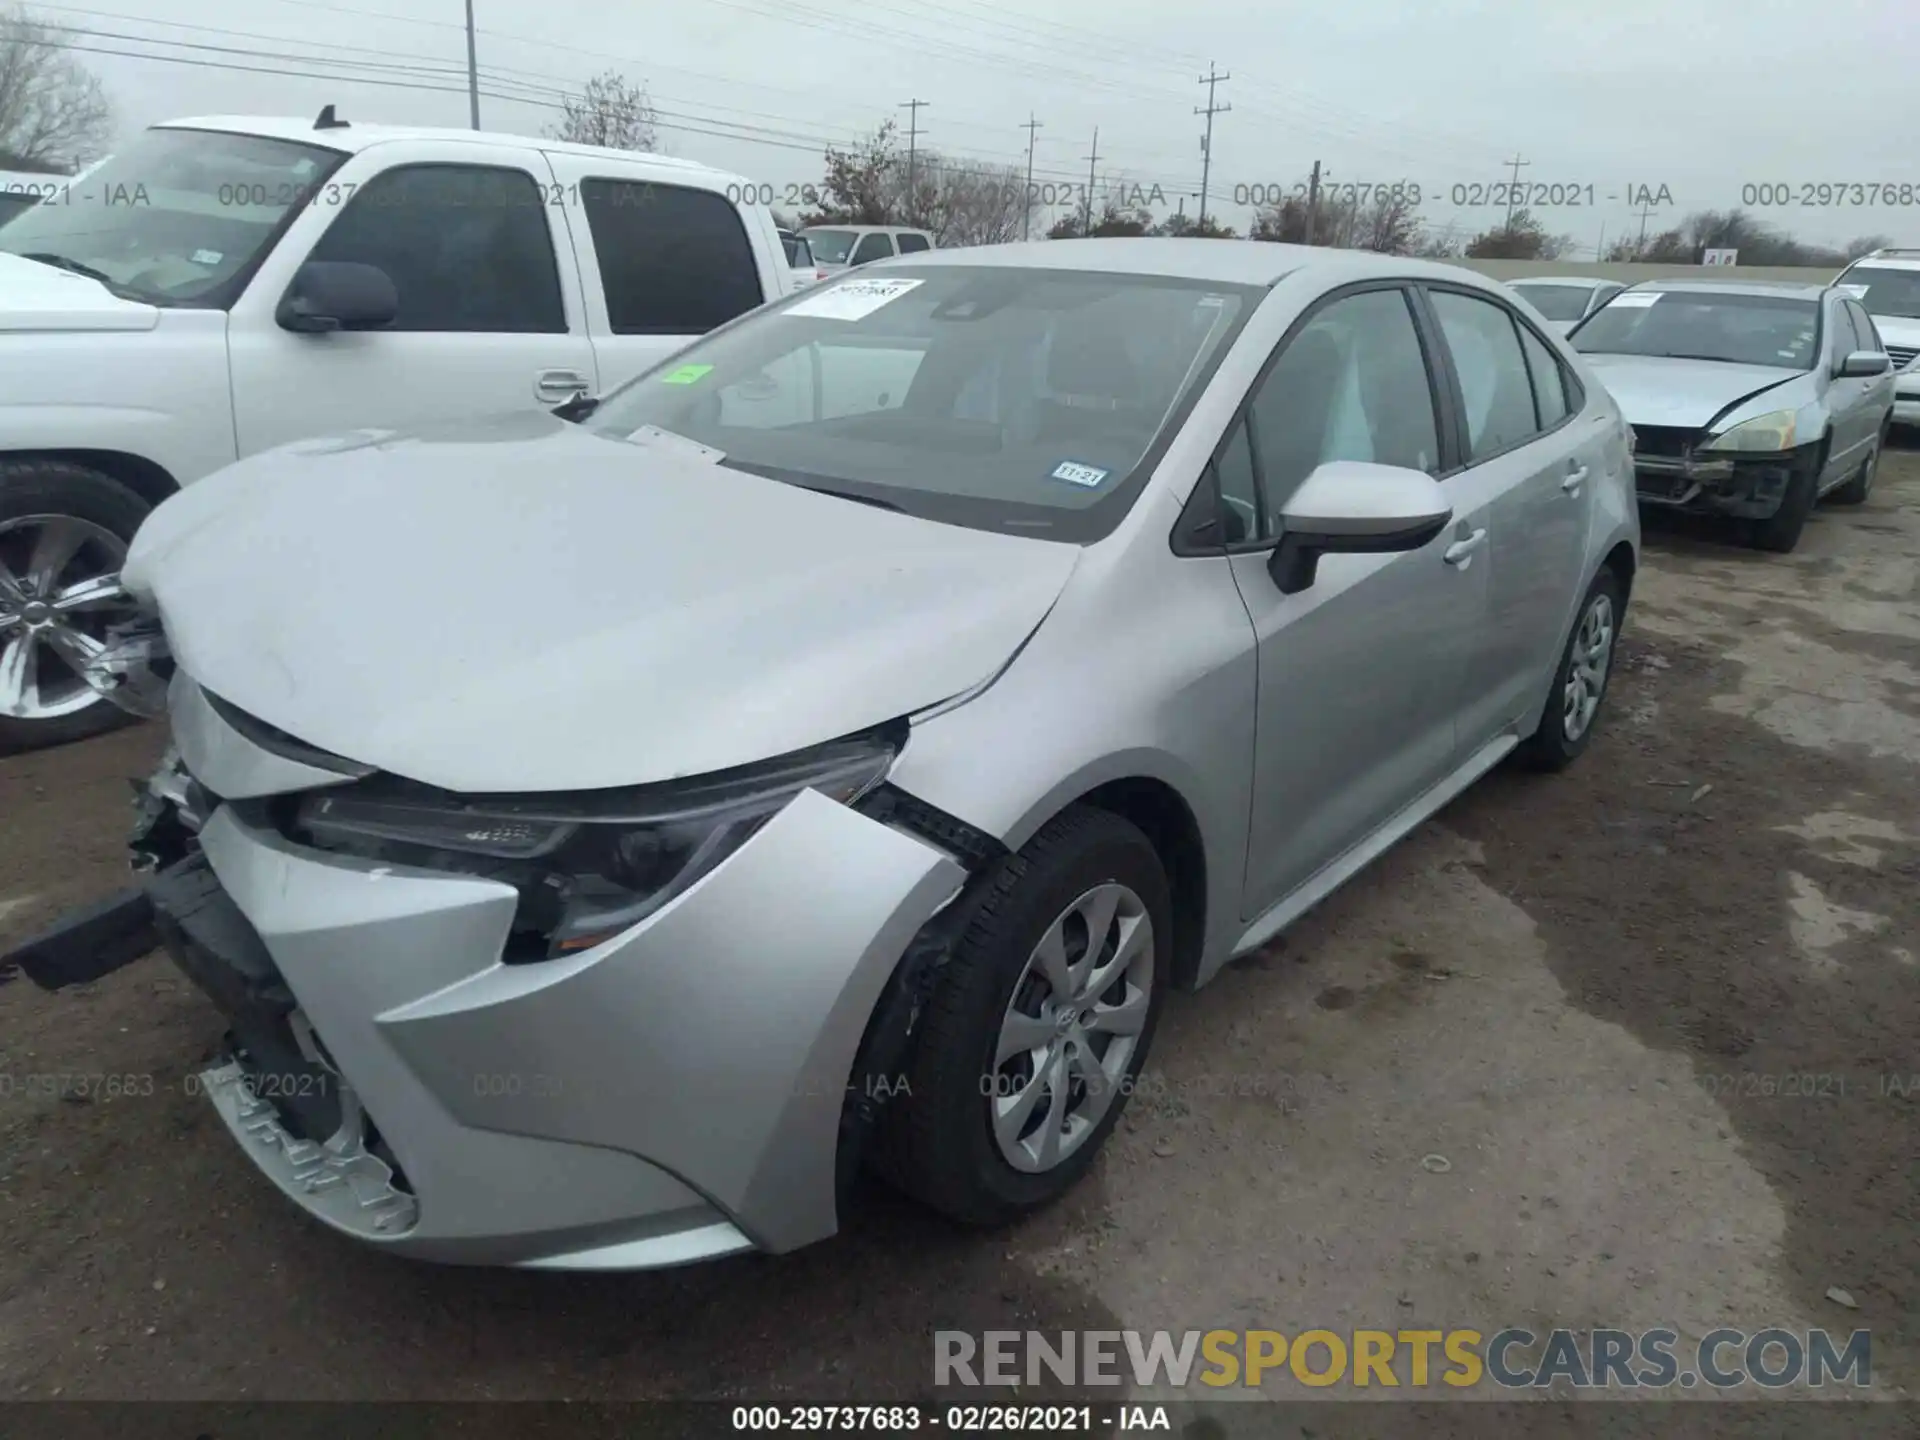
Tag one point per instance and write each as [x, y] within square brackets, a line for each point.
[226, 285]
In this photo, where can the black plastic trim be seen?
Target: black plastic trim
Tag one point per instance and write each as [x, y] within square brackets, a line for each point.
[971, 846]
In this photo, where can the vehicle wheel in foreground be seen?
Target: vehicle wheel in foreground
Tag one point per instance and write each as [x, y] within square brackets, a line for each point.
[64, 531]
[1856, 490]
[1038, 1024]
[1580, 681]
[1780, 531]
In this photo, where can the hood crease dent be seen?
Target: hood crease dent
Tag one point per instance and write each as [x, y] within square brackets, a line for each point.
[1686, 394]
[537, 608]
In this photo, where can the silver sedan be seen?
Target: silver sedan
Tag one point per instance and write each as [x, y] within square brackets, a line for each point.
[831, 750]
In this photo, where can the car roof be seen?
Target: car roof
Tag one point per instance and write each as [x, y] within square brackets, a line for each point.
[353, 137]
[1785, 289]
[1590, 280]
[1903, 260]
[15, 178]
[869, 229]
[1227, 262]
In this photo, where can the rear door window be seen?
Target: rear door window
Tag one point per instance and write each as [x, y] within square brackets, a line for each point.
[674, 260]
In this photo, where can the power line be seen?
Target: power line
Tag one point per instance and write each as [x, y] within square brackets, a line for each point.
[1210, 79]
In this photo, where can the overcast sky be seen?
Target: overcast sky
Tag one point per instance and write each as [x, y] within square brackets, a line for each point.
[1701, 97]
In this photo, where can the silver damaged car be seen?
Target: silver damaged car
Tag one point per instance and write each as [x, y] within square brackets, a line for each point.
[829, 750]
[1749, 400]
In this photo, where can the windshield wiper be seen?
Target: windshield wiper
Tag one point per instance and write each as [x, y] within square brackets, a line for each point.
[72, 267]
[872, 500]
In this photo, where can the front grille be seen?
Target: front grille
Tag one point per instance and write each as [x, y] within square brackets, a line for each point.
[1903, 355]
[1667, 441]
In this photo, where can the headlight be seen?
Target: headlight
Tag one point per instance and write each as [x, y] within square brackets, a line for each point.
[1762, 433]
[592, 864]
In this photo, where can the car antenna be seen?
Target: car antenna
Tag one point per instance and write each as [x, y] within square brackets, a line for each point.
[327, 121]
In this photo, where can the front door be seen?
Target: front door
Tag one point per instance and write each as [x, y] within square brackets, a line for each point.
[1360, 673]
[490, 319]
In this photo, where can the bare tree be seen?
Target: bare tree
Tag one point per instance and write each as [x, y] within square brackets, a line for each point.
[871, 183]
[1521, 238]
[54, 115]
[1866, 245]
[609, 112]
[1121, 208]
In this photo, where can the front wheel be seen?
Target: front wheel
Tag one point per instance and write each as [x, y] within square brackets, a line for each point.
[1779, 533]
[1038, 1025]
[1860, 485]
[64, 531]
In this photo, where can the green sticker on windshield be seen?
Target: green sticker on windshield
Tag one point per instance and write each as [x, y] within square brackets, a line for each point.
[685, 375]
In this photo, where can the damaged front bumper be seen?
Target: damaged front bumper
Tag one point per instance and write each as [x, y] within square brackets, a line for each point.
[1704, 482]
[675, 1093]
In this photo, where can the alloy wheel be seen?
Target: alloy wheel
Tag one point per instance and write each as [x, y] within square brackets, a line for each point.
[59, 590]
[1587, 663]
[1071, 1028]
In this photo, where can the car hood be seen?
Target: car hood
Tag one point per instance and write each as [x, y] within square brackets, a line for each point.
[34, 296]
[1655, 390]
[1898, 330]
[529, 606]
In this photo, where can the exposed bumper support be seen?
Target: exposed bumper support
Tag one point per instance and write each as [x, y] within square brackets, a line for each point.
[89, 943]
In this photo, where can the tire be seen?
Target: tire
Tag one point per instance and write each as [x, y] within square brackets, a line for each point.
[30, 489]
[1856, 490]
[1779, 533]
[938, 1142]
[1551, 747]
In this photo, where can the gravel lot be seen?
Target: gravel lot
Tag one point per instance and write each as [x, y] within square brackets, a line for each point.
[1657, 1013]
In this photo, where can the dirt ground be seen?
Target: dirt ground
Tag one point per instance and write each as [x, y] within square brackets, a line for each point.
[1657, 1014]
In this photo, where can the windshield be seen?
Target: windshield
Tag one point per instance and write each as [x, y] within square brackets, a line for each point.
[799, 256]
[1558, 302]
[1776, 330]
[12, 204]
[831, 247]
[179, 217]
[1884, 291]
[1000, 398]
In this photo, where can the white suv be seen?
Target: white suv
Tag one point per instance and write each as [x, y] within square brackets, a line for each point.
[224, 286]
[843, 247]
[1887, 285]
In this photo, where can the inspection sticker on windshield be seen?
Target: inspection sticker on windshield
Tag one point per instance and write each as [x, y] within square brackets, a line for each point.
[1075, 473]
[207, 257]
[685, 374]
[1632, 300]
[852, 299]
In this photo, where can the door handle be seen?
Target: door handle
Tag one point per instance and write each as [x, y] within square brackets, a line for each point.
[1461, 552]
[1575, 479]
[556, 387]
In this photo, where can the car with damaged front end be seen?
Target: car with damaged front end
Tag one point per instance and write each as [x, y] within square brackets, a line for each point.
[826, 752]
[1749, 400]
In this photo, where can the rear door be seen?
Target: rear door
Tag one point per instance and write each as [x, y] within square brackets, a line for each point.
[489, 314]
[663, 262]
[1360, 674]
[1532, 464]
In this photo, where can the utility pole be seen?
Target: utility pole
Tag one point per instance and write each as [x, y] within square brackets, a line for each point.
[913, 108]
[1086, 226]
[1313, 203]
[1516, 165]
[1032, 127]
[1600, 245]
[1640, 249]
[1210, 79]
[473, 73]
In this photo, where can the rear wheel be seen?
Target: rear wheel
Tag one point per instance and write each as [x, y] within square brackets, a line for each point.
[1572, 711]
[1856, 490]
[64, 532]
[1038, 1024]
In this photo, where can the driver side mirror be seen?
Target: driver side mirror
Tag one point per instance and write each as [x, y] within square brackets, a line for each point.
[1354, 507]
[1863, 363]
[328, 295]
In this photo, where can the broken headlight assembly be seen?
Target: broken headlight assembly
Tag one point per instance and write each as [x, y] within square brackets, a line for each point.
[1764, 434]
[133, 666]
[587, 865]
